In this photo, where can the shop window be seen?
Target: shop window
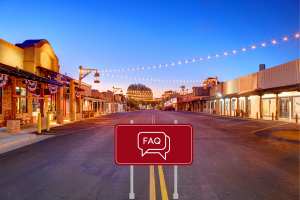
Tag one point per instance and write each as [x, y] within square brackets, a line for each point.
[52, 103]
[22, 103]
[266, 106]
[296, 106]
[36, 105]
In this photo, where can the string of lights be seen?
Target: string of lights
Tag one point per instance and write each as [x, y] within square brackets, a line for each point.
[152, 79]
[206, 57]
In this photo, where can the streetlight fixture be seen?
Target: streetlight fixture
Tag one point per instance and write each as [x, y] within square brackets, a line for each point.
[83, 73]
[114, 91]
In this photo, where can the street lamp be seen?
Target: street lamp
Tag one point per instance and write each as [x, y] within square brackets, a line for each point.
[83, 73]
[114, 91]
[187, 91]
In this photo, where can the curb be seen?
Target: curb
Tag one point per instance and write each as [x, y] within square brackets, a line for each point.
[16, 139]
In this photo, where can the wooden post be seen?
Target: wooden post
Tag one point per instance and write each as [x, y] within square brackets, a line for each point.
[13, 99]
[247, 107]
[277, 107]
[272, 116]
[224, 106]
[237, 105]
[72, 101]
[256, 115]
[42, 101]
[260, 107]
[297, 118]
[230, 107]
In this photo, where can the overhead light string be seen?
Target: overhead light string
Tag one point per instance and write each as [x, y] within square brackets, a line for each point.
[264, 44]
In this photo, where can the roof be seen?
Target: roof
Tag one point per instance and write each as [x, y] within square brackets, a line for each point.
[20, 73]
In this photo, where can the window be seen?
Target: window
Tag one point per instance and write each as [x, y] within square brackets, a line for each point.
[296, 106]
[22, 103]
[52, 102]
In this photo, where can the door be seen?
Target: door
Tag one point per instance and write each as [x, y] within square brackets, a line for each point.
[284, 107]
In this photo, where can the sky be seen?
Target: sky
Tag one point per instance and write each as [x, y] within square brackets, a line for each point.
[108, 35]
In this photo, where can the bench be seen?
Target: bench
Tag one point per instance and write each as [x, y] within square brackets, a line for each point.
[238, 112]
[25, 120]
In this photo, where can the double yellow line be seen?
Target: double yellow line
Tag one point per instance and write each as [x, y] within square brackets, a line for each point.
[152, 193]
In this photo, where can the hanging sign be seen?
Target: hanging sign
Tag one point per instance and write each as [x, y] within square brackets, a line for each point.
[77, 94]
[31, 85]
[3, 80]
[52, 88]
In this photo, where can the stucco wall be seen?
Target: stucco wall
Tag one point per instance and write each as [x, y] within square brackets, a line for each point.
[11, 55]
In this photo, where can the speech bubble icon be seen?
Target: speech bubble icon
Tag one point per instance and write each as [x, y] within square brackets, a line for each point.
[154, 143]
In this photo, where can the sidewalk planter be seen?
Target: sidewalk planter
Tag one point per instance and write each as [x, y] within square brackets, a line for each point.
[13, 126]
[78, 117]
[44, 122]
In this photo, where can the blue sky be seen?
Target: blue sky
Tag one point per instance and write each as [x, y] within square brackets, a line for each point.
[108, 35]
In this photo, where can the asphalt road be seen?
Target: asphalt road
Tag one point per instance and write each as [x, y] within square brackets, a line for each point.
[234, 158]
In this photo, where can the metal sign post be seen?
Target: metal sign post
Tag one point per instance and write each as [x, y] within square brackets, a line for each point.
[175, 194]
[131, 194]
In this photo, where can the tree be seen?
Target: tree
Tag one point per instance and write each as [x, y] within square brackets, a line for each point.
[132, 103]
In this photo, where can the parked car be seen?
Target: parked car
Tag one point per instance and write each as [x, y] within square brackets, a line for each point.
[169, 108]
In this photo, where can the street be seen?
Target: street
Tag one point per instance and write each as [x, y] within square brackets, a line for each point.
[234, 158]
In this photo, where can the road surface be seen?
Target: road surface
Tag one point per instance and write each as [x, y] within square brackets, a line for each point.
[234, 158]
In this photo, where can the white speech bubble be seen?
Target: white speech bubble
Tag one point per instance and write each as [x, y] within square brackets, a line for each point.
[149, 151]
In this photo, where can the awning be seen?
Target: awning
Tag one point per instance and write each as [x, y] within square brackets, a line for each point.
[20, 73]
[189, 100]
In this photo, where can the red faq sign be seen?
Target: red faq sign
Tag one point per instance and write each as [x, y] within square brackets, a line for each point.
[153, 144]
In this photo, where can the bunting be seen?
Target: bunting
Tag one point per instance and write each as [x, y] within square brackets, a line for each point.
[77, 94]
[31, 85]
[3, 80]
[52, 89]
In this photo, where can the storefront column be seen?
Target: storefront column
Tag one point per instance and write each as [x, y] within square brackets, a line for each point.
[230, 106]
[59, 102]
[42, 102]
[260, 107]
[13, 99]
[277, 107]
[217, 106]
[72, 101]
[237, 105]
[209, 106]
[247, 107]
[224, 107]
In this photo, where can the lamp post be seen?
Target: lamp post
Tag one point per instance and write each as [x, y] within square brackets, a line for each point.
[214, 81]
[83, 73]
[114, 91]
[187, 91]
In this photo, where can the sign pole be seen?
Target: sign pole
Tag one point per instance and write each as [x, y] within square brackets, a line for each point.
[131, 194]
[175, 194]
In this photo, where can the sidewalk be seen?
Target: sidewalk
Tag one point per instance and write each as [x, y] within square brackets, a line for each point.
[26, 134]
[264, 118]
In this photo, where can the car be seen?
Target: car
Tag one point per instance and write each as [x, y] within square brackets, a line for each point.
[169, 108]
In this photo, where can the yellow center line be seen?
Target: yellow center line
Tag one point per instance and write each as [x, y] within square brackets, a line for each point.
[164, 193]
[152, 194]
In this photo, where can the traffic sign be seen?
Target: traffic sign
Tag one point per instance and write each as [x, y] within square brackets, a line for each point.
[153, 144]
